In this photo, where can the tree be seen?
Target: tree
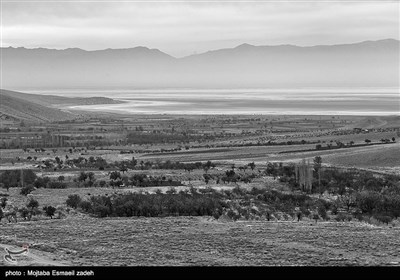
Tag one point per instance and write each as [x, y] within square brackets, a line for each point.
[252, 165]
[12, 178]
[316, 217]
[393, 139]
[58, 161]
[25, 213]
[367, 201]
[189, 168]
[49, 210]
[27, 189]
[3, 202]
[7, 187]
[123, 168]
[73, 200]
[41, 182]
[133, 162]
[61, 178]
[348, 200]
[317, 169]
[115, 175]
[82, 176]
[207, 178]
[90, 175]
[32, 204]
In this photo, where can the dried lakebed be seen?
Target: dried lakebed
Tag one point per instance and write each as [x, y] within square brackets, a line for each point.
[201, 241]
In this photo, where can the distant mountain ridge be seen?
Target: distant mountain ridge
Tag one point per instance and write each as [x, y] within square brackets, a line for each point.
[363, 64]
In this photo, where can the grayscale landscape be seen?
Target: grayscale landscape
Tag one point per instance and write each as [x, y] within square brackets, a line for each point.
[192, 133]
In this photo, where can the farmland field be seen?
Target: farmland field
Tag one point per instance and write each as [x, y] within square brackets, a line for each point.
[229, 142]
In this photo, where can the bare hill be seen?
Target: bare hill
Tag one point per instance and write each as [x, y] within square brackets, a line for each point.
[20, 109]
[58, 101]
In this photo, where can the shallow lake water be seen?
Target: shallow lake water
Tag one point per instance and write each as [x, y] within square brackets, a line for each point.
[305, 101]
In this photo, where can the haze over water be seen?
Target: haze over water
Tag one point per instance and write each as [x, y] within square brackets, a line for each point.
[304, 101]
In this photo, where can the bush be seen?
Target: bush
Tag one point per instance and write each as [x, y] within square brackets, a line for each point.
[101, 205]
[368, 202]
[315, 217]
[322, 211]
[73, 200]
[3, 202]
[334, 209]
[25, 213]
[341, 217]
[155, 205]
[41, 182]
[102, 183]
[383, 218]
[85, 206]
[56, 185]
[233, 215]
[32, 204]
[27, 189]
[49, 211]
[12, 178]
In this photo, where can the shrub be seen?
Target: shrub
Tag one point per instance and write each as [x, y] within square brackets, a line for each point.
[41, 182]
[3, 202]
[73, 200]
[85, 206]
[12, 178]
[49, 210]
[233, 215]
[383, 218]
[102, 183]
[305, 211]
[56, 185]
[25, 213]
[341, 217]
[27, 189]
[368, 201]
[322, 211]
[315, 217]
[101, 205]
[32, 204]
[334, 209]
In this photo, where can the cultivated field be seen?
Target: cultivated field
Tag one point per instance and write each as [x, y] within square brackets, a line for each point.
[81, 239]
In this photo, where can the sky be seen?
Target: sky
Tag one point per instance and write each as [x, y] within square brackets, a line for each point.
[182, 28]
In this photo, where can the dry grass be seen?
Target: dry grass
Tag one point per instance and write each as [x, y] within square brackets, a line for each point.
[177, 241]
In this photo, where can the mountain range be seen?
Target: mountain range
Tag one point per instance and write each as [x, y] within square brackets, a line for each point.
[364, 64]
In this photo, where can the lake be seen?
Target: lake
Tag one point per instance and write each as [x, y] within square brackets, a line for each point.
[305, 101]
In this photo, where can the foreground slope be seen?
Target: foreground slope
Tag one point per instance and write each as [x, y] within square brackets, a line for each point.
[182, 241]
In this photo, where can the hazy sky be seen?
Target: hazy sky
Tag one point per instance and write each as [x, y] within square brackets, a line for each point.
[182, 28]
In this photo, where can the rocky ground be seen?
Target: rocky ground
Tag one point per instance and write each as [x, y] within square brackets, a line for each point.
[201, 241]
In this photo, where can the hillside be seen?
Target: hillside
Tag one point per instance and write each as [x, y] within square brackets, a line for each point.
[364, 64]
[58, 101]
[20, 109]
